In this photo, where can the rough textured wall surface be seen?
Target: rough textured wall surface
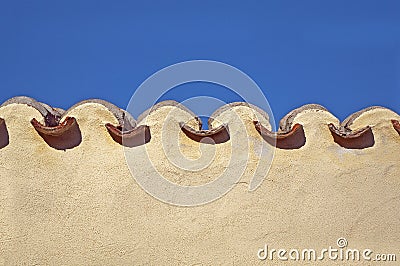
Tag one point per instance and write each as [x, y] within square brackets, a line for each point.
[67, 196]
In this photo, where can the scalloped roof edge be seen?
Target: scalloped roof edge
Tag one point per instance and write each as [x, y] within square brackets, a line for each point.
[127, 120]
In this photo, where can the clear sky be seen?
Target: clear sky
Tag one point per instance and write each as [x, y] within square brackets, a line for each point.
[344, 55]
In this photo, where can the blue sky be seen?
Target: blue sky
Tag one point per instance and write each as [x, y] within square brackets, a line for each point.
[344, 55]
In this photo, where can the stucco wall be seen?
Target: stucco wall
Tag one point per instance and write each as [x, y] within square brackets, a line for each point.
[81, 205]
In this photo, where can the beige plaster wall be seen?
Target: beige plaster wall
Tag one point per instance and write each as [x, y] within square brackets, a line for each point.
[82, 206]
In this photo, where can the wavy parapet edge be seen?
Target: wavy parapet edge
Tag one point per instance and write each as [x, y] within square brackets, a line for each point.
[57, 124]
[51, 115]
[285, 124]
[228, 106]
[348, 121]
[167, 103]
[125, 119]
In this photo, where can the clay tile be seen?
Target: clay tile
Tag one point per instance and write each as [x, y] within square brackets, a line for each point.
[4, 138]
[292, 139]
[396, 125]
[360, 139]
[131, 138]
[211, 136]
[65, 135]
[57, 130]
